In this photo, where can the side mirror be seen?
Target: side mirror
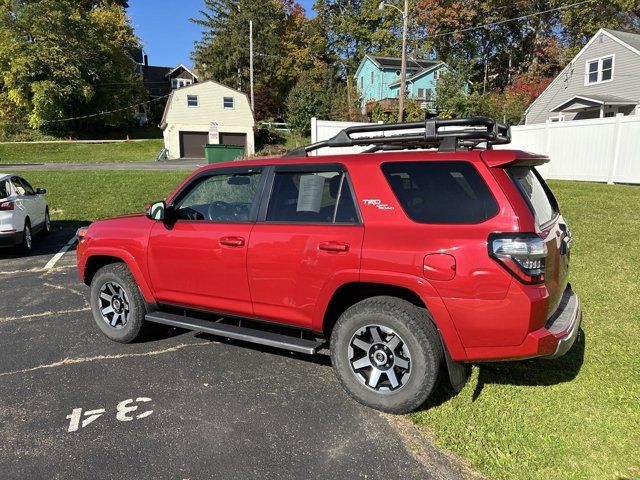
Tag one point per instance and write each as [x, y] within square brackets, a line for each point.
[156, 211]
[41, 191]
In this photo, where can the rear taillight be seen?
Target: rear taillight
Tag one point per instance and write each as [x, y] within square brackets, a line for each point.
[523, 254]
[6, 206]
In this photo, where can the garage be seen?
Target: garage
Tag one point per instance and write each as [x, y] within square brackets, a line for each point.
[203, 113]
[235, 139]
[192, 144]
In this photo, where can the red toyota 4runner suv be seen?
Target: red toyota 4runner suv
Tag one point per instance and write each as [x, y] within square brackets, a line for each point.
[403, 263]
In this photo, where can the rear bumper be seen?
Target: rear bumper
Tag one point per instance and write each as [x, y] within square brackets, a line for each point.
[551, 341]
[564, 324]
[10, 239]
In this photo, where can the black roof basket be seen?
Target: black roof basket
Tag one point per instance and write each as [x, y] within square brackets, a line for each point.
[438, 133]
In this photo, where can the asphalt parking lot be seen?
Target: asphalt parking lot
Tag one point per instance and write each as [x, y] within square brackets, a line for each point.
[179, 404]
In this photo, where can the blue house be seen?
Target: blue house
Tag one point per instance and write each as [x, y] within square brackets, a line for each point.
[378, 80]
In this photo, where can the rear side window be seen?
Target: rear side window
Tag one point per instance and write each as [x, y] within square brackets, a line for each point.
[4, 189]
[533, 189]
[311, 197]
[441, 192]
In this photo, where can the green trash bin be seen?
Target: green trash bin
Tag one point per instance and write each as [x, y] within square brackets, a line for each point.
[222, 153]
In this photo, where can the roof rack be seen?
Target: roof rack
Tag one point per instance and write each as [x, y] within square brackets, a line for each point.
[437, 134]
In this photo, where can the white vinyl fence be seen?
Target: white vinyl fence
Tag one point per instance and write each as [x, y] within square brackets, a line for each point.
[599, 150]
[326, 129]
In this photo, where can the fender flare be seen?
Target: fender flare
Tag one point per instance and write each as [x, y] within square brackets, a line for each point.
[420, 286]
[131, 264]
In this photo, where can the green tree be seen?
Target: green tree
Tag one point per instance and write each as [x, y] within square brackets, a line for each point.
[452, 97]
[312, 96]
[223, 52]
[66, 58]
[580, 23]
[354, 28]
[286, 44]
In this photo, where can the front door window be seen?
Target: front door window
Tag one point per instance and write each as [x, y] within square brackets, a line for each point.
[220, 198]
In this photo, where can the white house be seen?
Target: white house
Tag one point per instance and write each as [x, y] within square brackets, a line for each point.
[602, 80]
[203, 113]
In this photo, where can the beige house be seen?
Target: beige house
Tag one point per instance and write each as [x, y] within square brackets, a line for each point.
[203, 113]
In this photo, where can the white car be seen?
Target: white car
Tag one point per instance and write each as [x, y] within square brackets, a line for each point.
[23, 213]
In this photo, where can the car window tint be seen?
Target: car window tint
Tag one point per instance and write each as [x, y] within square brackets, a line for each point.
[19, 186]
[534, 191]
[27, 186]
[5, 191]
[441, 192]
[220, 198]
[311, 197]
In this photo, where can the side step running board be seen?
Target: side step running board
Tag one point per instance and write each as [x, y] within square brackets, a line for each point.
[252, 335]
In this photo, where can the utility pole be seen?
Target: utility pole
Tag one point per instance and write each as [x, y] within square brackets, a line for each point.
[403, 72]
[251, 63]
[403, 69]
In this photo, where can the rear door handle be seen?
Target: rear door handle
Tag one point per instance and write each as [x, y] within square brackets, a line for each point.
[232, 241]
[334, 246]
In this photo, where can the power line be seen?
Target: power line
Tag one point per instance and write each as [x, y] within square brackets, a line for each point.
[93, 115]
[500, 22]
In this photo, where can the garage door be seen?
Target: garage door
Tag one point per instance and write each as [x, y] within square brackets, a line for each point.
[192, 144]
[238, 139]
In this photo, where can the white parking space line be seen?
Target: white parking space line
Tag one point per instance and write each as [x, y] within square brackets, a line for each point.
[98, 358]
[56, 258]
[44, 314]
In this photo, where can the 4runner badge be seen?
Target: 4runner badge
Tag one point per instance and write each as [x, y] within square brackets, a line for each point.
[378, 204]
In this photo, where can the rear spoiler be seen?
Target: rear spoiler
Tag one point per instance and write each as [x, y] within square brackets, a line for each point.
[504, 158]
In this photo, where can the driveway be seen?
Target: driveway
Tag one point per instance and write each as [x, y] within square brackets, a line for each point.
[178, 405]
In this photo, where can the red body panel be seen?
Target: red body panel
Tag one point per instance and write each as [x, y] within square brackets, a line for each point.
[289, 272]
[201, 264]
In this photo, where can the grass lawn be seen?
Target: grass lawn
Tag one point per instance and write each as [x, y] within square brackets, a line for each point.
[71, 152]
[82, 196]
[579, 416]
[574, 418]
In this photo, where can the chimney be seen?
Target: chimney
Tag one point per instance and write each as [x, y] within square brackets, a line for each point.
[146, 60]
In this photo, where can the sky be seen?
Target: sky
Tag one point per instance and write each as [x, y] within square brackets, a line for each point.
[165, 30]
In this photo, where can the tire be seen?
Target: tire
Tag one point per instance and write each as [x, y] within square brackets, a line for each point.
[126, 303]
[26, 245]
[413, 358]
[47, 223]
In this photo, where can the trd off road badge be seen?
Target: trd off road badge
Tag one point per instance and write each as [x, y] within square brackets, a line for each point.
[376, 202]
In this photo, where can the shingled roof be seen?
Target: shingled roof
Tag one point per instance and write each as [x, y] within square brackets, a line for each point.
[631, 39]
[394, 62]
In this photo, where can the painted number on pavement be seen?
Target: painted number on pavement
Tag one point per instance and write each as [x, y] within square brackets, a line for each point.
[126, 411]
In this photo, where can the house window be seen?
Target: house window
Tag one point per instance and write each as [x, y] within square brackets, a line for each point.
[372, 78]
[599, 70]
[436, 74]
[228, 102]
[180, 82]
[192, 100]
[421, 93]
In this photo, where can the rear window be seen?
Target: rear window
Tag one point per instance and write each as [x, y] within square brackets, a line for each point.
[533, 189]
[441, 192]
